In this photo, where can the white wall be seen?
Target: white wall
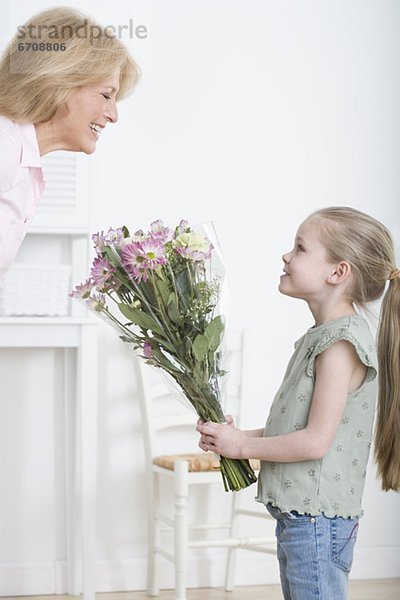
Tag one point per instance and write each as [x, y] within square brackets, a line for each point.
[250, 114]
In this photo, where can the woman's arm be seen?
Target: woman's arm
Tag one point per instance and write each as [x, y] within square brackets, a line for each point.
[334, 374]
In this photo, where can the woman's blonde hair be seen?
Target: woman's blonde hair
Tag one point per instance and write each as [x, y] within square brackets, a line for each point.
[55, 52]
[364, 242]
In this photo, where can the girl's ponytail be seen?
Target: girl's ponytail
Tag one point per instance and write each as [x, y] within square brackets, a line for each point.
[387, 437]
[351, 235]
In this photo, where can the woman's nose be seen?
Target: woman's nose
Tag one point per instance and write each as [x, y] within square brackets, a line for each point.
[112, 111]
[286, 257]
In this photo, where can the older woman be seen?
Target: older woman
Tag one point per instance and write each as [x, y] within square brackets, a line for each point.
[61, 77]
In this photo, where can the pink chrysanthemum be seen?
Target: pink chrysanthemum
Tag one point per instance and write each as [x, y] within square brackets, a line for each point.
[113, 237]
[147, 350]
[183, 226]
[96, 302]
[161, 233]
[102, 272]
[83, 290]
[140, 257]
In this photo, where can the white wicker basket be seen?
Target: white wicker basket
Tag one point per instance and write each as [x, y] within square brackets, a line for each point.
[35, 290]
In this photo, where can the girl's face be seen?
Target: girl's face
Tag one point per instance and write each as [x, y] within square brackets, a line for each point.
[87, 112]
[306, 267]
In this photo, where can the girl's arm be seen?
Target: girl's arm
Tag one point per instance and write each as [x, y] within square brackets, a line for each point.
[338, 370]
[254, 433]
[230, 422]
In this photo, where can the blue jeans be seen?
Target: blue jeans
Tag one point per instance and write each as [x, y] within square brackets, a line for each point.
[315, 555]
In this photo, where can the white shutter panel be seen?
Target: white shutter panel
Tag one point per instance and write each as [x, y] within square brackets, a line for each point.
[63, 216]
[65, 202]
[60, 194]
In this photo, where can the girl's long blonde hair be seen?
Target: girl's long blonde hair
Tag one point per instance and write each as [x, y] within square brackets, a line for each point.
[55, 52]
[364, 242]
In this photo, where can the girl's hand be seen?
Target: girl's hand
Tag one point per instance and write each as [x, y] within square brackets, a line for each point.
[222, 439]
[228, 421]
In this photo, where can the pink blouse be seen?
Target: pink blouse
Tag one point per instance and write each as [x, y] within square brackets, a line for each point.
[21, 186]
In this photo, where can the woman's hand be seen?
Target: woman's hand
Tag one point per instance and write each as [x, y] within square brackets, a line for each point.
[222, 438]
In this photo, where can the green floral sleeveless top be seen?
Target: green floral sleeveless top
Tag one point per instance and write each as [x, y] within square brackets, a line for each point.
[334, 484]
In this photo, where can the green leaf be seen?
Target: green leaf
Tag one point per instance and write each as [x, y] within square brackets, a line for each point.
[198, 373]
[163, 290]
[140, 318]
[213, 332]
[165, 344]
[163, 361]
[183, 287]
[200, 347]
[173, 311]
[110, 253]
[149, 293]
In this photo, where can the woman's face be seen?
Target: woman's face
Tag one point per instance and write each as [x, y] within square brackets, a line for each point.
[88, 110]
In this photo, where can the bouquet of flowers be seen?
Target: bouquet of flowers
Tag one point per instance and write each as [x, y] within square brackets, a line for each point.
[157, 289]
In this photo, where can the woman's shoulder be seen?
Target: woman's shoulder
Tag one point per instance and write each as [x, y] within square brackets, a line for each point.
[9, 129]
[10, 151]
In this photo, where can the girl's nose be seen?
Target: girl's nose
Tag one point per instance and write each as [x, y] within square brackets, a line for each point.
[286, 257]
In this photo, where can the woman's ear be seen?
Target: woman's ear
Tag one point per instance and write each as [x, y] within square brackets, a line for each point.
[340, 273]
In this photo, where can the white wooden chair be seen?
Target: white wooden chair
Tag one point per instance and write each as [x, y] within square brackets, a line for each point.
[182, 470]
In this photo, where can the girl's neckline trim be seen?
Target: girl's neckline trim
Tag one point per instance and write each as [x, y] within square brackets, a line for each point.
[345, 318]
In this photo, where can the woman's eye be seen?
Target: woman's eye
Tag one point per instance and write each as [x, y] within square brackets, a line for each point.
[106, 96]
[300, 248]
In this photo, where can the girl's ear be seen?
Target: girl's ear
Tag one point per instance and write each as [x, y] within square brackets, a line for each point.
[341, 273]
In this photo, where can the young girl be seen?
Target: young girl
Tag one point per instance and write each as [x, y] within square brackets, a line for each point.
[315, 445]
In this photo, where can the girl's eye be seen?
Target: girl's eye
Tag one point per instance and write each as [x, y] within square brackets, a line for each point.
[300, 248]
[106, 96]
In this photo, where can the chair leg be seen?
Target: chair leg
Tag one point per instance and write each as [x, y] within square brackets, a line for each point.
[153, 537]
[233, 533]
[181, 527]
